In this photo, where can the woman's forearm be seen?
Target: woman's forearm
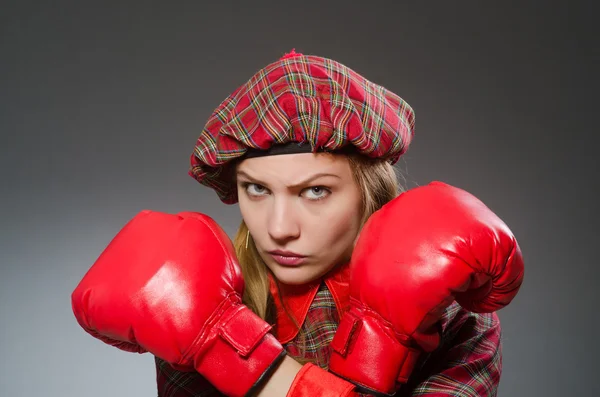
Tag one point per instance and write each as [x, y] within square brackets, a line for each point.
[281, 380]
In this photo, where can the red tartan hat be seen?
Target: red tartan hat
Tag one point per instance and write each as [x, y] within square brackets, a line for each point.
[314, 102]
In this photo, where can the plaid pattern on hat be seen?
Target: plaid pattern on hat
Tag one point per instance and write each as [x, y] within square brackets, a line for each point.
[303, 99]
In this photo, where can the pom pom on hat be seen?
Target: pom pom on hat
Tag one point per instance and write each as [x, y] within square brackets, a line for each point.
[312, 101]
[291, 54]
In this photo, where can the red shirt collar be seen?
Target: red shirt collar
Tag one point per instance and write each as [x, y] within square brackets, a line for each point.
[298, 298]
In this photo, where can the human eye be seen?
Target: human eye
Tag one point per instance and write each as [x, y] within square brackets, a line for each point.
[316, 192]
[254, 189]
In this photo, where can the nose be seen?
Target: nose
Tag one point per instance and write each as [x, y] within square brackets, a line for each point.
[282, 224]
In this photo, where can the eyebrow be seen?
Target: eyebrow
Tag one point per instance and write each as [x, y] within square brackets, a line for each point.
[304, 182]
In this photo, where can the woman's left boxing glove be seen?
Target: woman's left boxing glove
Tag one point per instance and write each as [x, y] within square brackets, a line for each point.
[171, 285]
[423, 250]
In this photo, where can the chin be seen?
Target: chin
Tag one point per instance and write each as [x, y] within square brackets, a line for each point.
[295, 275]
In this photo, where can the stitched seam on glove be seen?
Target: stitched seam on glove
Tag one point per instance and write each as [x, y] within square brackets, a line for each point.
[196, 348]
[244, 350]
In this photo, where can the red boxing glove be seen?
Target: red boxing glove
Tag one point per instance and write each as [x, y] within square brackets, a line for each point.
[313, 381]
[171, 285]
[423, 250]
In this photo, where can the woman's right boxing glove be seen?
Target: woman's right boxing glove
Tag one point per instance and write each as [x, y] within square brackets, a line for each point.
[171, 285]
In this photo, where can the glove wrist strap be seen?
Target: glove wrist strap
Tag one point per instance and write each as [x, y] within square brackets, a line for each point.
[312, 381]
[367, 352]
[240, 352]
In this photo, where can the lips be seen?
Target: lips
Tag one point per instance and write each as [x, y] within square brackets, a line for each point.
[286, 253]
[287, 258]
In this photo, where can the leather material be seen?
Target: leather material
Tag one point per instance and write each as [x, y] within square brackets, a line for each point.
[295, 300]
[171, 285]
[312, 381]
[423, 250]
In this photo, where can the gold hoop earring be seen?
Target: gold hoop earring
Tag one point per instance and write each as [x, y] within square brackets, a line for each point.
[247, 237]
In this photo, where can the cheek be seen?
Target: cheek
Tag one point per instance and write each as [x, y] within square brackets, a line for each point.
[253, 217]
[338, 226]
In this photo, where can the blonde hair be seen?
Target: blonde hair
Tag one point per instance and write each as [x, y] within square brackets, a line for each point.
[378, 184]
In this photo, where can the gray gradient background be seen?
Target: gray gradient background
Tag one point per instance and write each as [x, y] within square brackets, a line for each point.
[100, 106]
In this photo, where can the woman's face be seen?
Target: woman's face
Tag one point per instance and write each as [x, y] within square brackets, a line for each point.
[302, 210]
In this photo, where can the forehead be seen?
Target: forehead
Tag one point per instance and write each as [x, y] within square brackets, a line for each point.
[294, 166]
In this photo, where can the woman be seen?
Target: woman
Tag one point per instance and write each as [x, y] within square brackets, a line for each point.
[326, 250]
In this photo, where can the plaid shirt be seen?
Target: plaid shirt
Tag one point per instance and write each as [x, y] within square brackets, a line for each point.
[468, 362]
